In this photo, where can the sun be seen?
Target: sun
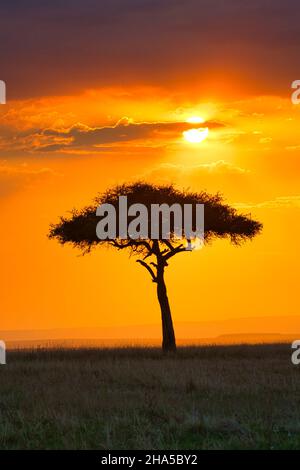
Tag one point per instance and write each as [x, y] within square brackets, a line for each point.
[195, 136]
[195, 120]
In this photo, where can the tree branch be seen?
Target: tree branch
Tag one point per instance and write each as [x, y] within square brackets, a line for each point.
[145, 244]
[133, 243]
[169, 245]
[174, 252]
[120, 246]
[150, 270]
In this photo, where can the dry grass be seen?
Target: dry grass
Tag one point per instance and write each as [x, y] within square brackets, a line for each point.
[203, 398]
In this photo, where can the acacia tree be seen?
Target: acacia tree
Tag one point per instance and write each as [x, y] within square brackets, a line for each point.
[221, 221]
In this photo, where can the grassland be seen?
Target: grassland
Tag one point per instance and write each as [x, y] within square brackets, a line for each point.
[231, 397]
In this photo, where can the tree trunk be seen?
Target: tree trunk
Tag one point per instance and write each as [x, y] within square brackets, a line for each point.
[168, 343]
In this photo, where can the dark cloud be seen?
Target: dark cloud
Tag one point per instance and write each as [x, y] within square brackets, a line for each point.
[81, 136]
[84, 138]
[53, 47]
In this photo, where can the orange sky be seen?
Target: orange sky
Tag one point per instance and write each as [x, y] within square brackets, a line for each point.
[251, 156]
[71, 131]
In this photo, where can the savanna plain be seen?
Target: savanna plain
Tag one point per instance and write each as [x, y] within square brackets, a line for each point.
[206, 397]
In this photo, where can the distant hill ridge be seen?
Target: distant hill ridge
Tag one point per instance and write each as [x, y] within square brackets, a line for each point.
[255, 329]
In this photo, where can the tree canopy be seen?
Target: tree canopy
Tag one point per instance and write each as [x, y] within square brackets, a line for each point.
[221, 220]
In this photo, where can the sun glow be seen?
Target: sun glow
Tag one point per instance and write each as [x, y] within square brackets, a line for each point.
[195, 120]
[194, 244]
[195, 136]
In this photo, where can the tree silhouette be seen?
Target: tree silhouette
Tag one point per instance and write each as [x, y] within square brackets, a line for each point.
[221, 221]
